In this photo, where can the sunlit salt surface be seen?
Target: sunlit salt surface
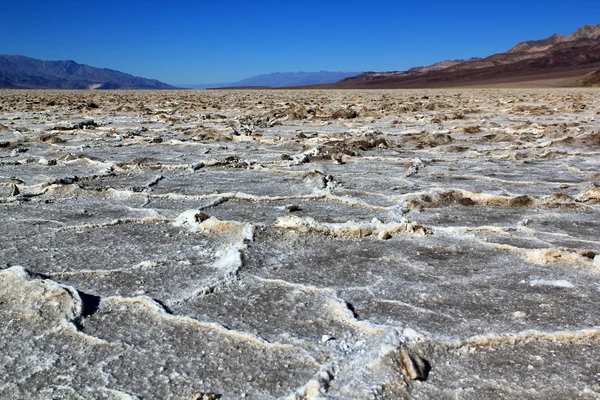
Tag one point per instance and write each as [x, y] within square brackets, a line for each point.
[300, 244]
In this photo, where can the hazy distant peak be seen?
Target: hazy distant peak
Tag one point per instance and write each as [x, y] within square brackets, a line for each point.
[283, 79]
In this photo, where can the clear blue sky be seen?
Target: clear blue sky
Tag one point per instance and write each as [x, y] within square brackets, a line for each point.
[207, 41]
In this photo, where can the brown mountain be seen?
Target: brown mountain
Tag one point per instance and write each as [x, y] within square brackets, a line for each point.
[555, 61]
[532, 46]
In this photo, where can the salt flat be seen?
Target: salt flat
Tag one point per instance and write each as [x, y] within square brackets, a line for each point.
[417, 244]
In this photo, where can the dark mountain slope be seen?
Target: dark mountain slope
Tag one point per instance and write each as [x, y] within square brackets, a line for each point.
[29, 73]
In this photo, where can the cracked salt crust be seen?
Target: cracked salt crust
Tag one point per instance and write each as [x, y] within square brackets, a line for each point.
[300, 244]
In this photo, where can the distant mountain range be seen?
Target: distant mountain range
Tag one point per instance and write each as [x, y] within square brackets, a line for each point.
[20, 72]
[280, 79]
[556, 61]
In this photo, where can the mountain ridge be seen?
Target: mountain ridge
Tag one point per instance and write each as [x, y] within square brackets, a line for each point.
[21, 72]
[585, 32]
[563, 58]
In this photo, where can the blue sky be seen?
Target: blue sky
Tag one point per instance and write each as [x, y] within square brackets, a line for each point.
[206, 41]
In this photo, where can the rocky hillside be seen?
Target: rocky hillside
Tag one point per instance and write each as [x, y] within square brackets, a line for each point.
[20, 72]
[532, 46]
[557, 56]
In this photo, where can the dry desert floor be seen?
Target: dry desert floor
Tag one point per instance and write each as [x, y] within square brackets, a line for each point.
[408, 244]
